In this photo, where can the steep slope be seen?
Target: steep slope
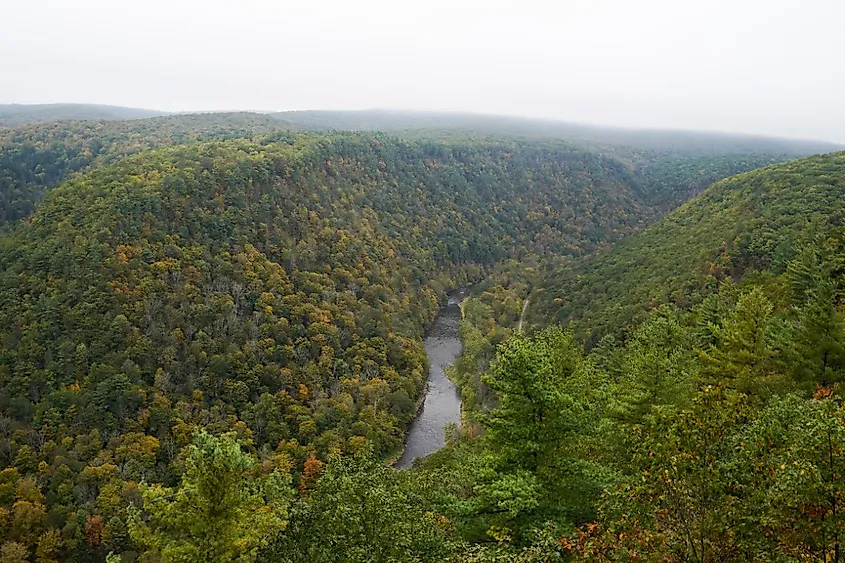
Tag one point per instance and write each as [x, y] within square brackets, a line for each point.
[753, 221]
[668, 167]
[37, 157]
[671, 166]
[276, 289]
[706, 426]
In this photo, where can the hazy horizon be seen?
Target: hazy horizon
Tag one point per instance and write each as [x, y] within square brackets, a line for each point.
[756, 67]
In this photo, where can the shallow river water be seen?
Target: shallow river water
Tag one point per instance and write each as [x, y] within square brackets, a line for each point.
[442, 403]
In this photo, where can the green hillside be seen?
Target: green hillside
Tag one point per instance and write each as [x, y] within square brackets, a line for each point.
[211, 345]
[754, 221]
[668, 167]
[278, 290]
[671, 165]
[38, 157]
[706, 424]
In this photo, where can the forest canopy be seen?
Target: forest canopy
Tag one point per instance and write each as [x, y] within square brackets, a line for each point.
[211, 342]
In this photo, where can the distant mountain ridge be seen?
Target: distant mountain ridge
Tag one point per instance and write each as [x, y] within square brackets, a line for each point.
[21, 114]
[395, 121]
[417, 122]
[670, 166]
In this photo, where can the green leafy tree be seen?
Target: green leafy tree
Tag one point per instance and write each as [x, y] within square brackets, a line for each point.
[815, 340]
[789, 478]
[657, 367]
[676, 506]
[742, 356]
[531, 378]
[535, 473]
[363, 511]
[222, 510]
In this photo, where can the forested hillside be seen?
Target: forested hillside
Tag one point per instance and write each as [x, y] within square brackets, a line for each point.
[278, 290]
[754, 222]
[211, 344]
[708, 428]
[671, 165]
[36, 158]
[705, 427]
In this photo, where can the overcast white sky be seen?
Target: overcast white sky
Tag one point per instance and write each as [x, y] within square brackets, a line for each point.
[758, 66]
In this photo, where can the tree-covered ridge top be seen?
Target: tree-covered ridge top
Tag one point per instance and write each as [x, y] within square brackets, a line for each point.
[439, 123]
[13, 115]
[20, 114]
[753, 221]
[481, 165]
[150, 129]
[37, 157]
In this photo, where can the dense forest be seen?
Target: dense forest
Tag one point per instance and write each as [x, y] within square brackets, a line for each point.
[38, 157]
[277, 289]
[705, 422]
[753, 223]
[39, 152]
[211, 343]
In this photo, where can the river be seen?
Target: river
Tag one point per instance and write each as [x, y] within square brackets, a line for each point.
[442, 403]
